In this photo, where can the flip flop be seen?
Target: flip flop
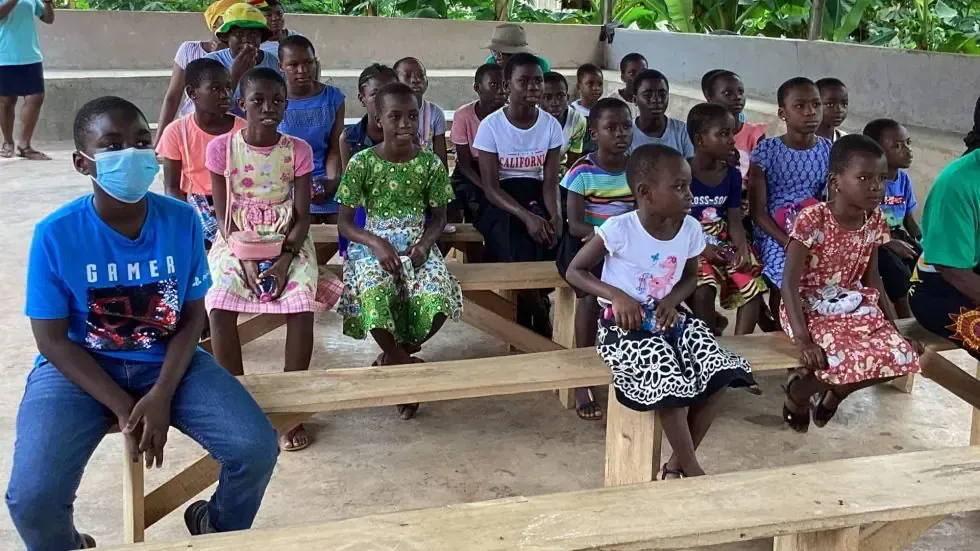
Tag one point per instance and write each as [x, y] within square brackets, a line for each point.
[286, 440]
[31, 154]
[7, 151]
[597, 413]
[665, 472]
[799, 422]
[821, 413]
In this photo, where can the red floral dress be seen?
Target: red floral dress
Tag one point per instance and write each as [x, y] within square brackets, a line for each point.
[843, 316]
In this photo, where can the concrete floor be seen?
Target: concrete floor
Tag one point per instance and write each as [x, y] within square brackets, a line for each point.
[368, 461]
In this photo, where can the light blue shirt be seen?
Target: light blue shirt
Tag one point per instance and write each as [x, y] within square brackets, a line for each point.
[675, 136]
[18, 34]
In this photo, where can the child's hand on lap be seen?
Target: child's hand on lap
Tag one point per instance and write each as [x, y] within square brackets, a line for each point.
[666, 317]
[712, 253]
[811, 355]
[540, 229]
[251, 269]
[280, 272]
[742, 256]
[627, 312]
[902, 249]
[149, 422]
[388, 257]
[418, 253]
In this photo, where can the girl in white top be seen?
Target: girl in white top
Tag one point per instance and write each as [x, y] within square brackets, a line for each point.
[661, 358]
[519, 151]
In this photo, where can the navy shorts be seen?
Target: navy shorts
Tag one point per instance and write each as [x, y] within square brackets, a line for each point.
[21, 80]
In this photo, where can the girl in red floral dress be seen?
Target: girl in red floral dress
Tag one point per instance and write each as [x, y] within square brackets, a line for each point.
[834, 305]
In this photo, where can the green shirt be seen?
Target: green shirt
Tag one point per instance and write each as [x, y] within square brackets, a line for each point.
[951, 217]
[545, 66]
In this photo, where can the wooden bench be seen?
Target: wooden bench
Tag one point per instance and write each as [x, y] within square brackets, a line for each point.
[870, 503]
[633, 439]
[465, 233]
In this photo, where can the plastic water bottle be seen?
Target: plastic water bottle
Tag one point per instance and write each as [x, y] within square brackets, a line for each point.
[267, 284]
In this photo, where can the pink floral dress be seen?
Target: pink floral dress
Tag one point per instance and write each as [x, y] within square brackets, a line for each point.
[261, 199]
[843, 316]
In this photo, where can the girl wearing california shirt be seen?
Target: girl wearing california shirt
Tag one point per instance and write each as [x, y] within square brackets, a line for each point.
[520, 147]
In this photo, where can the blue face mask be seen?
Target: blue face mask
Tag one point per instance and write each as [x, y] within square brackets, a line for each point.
[125, 175]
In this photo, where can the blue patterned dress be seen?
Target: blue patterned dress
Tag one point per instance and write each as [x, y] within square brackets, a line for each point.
[792, 175]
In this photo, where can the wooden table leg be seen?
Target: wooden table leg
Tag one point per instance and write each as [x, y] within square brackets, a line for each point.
[133, 518]
[633, 444]
[564, 333]
[846, 539]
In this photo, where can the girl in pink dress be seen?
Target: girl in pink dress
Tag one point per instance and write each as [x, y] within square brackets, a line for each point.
[834, 306]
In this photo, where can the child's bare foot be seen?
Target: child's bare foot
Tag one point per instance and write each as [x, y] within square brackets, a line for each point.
[295, 440]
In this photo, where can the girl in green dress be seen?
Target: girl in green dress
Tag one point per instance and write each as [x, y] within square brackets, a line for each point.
[396, 284]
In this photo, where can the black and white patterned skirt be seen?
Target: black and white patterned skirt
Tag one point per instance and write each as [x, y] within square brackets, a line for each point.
[656, 371]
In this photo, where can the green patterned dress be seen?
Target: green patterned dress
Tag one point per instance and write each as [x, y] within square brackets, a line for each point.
[395, 196]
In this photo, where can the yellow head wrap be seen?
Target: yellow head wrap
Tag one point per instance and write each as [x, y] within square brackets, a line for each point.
[216, 10]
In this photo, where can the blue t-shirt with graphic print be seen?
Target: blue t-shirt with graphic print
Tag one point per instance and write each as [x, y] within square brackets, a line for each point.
[122, 296]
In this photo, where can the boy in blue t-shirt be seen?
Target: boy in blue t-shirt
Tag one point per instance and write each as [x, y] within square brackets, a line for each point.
[897, 258]
[116, 301]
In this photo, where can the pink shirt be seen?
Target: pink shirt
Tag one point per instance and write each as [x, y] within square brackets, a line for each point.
[745, 141]
[217, 159]
[184, 141]
[465, 124]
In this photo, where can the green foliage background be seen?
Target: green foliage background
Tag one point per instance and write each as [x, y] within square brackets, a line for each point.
[935, 25]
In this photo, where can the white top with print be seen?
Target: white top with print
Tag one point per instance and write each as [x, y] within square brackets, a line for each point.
[521, 153]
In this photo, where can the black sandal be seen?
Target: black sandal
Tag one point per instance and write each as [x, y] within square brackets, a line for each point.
[665, 472]
[821, 413]
[590, 406]
[799, 422]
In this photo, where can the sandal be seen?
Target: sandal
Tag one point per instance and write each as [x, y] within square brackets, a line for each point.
[591, 410]
[31, 154]
[821, 413]
[799, 422]
[7, 151]
[675, 474]
[286, 441]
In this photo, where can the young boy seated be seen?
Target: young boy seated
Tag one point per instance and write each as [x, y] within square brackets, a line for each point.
[488, 83]
[117, 330]
[588, 83]
[630, 66]
[554, 100]
[833, 95]
[897, 258]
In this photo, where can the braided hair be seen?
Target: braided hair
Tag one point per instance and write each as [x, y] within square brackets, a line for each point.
[972, 140]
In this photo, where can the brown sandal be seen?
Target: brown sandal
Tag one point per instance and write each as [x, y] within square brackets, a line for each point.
[31, 154]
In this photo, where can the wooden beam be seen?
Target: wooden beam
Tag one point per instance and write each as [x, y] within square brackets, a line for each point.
[949, 376]
[324, 234]
[692, 512]
[844, 539]
[493, 277]
[563, 309]
[493, 324]
[895, 536]
[133, 519]
[493, 302]
[633, 442]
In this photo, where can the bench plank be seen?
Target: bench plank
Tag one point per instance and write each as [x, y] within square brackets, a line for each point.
[465, 233]
[492, 277]
[677, 514]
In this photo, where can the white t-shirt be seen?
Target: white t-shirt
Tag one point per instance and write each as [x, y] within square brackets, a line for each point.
[577, 104]
[675, 136]
[642, 266]
[521, 153]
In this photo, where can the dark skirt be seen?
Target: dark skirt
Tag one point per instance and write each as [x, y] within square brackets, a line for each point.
[469, 199]
[568, 247]
[505, 237]
[945, 311]
[21, 80]
[674, 370]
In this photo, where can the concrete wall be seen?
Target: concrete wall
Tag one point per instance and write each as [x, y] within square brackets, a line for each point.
[936, 91]
[128, 40]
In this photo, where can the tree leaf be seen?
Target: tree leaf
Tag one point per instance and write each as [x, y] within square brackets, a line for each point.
[851, 21]
[681, 14]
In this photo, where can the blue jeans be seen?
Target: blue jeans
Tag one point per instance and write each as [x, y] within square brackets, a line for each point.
[59, 425]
